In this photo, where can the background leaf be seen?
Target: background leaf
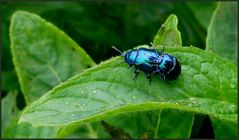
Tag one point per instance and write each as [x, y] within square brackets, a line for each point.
[25, 130]
[44, 46]
[107, 92]
[222, 39]
[84, 130]
[154, 124]
[9, 108]
[43, 56]
[138, 23]
[222, 31]
[168, 35]
[9, 77]
[224, 129]
[202, 12]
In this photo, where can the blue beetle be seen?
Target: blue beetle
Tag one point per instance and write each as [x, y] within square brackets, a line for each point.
[152, 62]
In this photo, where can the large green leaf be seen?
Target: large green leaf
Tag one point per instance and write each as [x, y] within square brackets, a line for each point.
[43, 55]
[165, 125]
[168, 34]
[103, 91]
[43, 59]
[222, 31]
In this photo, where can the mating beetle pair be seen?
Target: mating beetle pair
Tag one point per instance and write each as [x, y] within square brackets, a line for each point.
[152, 62]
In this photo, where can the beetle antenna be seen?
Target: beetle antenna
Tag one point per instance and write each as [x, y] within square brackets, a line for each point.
[117, 50]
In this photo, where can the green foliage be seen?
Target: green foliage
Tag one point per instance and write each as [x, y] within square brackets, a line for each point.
[222, 39]
[25, 130]
[9, 108]
[202, 12]
[103, 91]
[90, 104]
[43, 56]
[168, 35]
[222, 32]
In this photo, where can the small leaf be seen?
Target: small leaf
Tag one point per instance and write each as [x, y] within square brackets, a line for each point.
[104, 90]
[43, 55]
[25, 130]
[168, 35]
[9, 108]
[222, 31]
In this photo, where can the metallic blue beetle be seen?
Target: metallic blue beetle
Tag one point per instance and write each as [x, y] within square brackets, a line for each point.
[152, 62]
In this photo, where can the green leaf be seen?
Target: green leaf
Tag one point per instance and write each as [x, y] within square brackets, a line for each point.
[83, 130]
[104, 90]
[202, 12]
[222, 31]
[165, 126]
[159, 124]
[11, 128]
[43, 55]
[25, 130]
[222, 39]
[224, 129]
[168, 35]
[9, 108]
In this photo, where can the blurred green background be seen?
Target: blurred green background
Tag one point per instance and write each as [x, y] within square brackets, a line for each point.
[96, 26]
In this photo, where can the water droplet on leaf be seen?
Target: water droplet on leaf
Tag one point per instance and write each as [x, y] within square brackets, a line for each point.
[134, 97]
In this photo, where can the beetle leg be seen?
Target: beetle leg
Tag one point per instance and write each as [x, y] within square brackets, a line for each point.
[148, 76]
[162, 76]
[129, 66]
[136, 73]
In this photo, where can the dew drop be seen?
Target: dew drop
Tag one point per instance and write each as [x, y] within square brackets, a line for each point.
[134, 97]
[83, 104]
[94, 91]
[232, 85]
[67, 103]
[72, 115]
[89, 99]
[194, 102]
[81, 91]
